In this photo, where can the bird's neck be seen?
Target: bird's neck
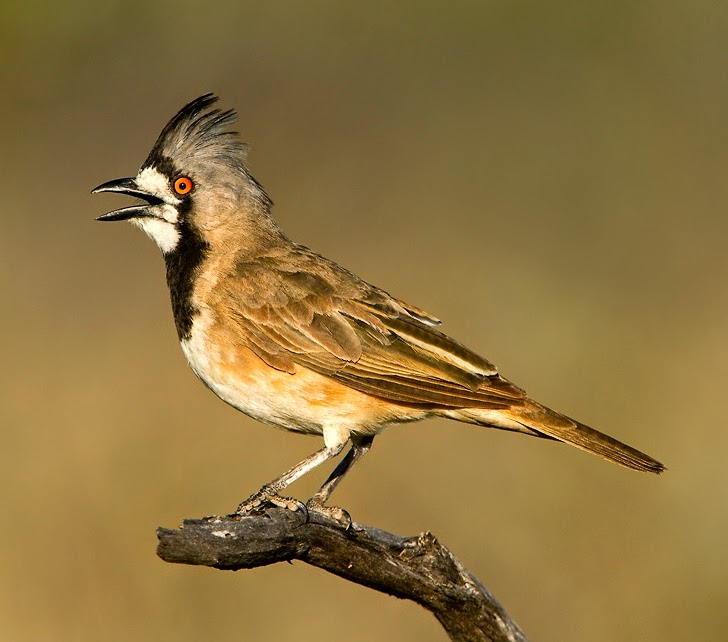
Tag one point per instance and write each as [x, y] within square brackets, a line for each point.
[201, 257]
[183, 263]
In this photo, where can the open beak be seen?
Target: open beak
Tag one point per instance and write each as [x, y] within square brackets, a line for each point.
[127, 186]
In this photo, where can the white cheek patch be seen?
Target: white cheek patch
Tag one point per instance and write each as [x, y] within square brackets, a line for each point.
[163, 233]
[152, 181]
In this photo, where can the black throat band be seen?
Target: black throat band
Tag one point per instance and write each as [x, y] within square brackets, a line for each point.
[183, 265]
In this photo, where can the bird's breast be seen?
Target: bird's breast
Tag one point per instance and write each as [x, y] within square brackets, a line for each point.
[304, 401]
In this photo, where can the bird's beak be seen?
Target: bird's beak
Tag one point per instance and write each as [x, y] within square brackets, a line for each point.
[127, 186]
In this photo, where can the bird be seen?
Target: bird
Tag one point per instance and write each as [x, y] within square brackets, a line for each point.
[293, 339]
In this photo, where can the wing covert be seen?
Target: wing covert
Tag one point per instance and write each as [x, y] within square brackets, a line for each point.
[304, 311]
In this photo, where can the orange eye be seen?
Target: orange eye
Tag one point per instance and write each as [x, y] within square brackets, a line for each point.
[183, 185]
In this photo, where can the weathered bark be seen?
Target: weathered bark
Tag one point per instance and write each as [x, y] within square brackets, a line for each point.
[415, 568]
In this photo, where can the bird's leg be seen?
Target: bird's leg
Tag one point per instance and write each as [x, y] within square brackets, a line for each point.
[269, 492]
[360, 445]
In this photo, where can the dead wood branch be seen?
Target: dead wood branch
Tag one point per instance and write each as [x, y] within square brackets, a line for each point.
[415, 568]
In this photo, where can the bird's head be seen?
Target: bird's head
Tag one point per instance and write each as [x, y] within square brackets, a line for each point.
[194, 181]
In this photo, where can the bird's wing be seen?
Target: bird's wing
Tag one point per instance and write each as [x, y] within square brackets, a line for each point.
[295, 309]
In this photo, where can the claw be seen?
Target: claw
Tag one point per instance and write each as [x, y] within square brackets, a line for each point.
[334, 512]
[256, 503]
[291, 503]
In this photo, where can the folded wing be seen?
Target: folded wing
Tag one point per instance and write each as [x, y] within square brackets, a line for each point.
[297, 309]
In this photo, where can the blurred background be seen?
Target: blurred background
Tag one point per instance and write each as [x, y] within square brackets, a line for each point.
[547, 178]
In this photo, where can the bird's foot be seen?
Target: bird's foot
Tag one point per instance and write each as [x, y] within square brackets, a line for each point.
[257, 502]
[339, 515]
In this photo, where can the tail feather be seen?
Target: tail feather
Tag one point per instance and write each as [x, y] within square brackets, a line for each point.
[535, 419]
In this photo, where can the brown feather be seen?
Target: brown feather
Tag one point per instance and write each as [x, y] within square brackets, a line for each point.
[294, 308]
[367, 340]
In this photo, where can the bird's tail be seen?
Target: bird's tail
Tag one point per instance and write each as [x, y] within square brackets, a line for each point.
[533, 418]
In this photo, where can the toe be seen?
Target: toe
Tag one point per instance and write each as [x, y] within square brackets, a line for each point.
[333, 512]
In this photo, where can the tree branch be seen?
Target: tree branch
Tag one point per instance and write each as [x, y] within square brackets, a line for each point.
[415, 568]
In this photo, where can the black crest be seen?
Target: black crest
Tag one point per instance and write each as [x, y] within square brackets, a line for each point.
[198, 132]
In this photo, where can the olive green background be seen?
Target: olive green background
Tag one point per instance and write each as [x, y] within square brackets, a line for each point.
[548, 178]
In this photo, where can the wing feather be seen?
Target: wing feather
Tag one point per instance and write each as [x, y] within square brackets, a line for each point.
[295, 308]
